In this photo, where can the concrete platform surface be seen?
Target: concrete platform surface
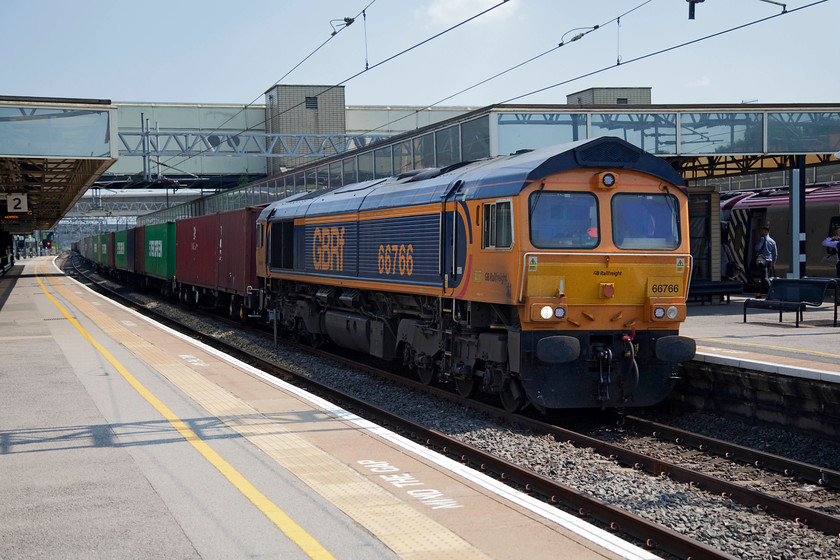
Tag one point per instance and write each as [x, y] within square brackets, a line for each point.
[121, 439]
[765, 344]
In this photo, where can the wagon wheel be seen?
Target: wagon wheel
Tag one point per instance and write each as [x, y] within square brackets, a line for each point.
[466, 387]
[237, 310]
[511, 396]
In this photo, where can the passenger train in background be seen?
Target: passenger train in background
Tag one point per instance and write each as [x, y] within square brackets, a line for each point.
[743, 213]
[554, 278]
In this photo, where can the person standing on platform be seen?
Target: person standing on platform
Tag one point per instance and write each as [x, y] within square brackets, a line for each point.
[766, 254]
[831, 242]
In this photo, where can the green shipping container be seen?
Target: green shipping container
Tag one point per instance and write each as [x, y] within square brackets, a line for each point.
[96, 240]
[160, 250]
[121, 250]
[103, 250]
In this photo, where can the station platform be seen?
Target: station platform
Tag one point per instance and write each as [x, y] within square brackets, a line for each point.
[764, 344]
[123, 439]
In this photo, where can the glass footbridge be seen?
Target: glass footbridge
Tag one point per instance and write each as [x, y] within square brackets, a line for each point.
[700, 141]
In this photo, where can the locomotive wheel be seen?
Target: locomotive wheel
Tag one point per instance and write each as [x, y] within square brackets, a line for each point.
[466, 387]
[299, 334]
[511, 396]
[426, 374]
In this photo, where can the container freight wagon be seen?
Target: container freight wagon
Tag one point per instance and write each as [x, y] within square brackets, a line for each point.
[139, 251]
[110, 257]
[159, 255]
[124, 251]
[237, 265]
[196, 256]
[97, 249]
[215, 259]
[86, 247]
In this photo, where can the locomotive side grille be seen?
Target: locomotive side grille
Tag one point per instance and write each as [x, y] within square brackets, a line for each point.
[608, 154]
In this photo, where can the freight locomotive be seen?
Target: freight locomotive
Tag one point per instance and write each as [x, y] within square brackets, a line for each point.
[554, 278]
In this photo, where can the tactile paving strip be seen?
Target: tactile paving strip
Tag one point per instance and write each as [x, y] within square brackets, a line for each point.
[406, 531]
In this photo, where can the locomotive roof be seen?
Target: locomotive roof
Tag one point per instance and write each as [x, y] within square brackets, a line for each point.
[489, 178]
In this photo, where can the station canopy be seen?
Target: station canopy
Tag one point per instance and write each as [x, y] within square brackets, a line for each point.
[51, 152]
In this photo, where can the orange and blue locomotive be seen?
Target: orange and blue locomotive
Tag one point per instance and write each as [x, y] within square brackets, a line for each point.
[555, 277]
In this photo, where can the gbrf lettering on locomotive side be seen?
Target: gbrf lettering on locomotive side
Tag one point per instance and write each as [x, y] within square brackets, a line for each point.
[328, 248]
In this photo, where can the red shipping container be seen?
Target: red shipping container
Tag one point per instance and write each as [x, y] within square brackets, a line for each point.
[197, 251]
[237, 250]
[140, 250]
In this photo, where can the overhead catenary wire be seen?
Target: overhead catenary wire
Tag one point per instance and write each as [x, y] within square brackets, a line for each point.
[583, 31]
[367, 67]
[665, 50]
[357, 74]
[347, 22]
[594, 72]
[573, 79]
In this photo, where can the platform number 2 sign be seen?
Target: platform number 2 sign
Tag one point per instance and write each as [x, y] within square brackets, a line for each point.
[17, 203]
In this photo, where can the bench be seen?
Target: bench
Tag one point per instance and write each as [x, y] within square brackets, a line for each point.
[795, 294]
[705, 289]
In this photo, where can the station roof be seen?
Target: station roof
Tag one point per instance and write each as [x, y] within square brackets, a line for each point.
[51, 151]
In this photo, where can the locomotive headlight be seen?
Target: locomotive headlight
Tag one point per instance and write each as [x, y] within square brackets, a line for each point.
[607, 180]
[560, 312]
[659, 312]
[672, 312]
[547, 312]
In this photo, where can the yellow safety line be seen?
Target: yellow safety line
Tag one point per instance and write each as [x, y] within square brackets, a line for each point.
[295, 532]
[771, 346]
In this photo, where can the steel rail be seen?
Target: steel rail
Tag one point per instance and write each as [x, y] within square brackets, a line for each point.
[735, 452]
[761, 501]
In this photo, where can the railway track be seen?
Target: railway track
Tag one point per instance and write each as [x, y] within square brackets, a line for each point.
[651, 534]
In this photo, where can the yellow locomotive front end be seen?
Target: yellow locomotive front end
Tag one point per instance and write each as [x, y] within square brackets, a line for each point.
[603, 271]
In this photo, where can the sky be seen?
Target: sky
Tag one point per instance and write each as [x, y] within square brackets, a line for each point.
[217, 51]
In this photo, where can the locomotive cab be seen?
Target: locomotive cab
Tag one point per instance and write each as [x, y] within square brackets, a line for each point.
[604, 278]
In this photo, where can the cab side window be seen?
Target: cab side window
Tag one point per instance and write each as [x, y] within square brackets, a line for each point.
[498, 225]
